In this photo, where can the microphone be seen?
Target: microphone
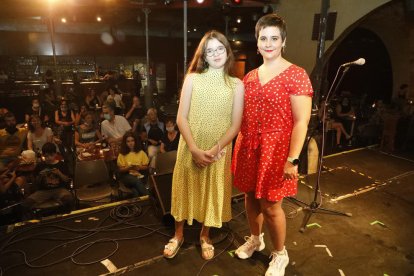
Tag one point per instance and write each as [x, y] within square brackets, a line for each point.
[360, 61]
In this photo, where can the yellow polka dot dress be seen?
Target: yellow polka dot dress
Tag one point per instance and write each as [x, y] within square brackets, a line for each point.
[204, 194]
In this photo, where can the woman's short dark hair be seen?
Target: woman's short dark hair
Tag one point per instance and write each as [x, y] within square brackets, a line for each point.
[124, 147]
[271, 20]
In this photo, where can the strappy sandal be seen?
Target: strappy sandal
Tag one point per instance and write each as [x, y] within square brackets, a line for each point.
[173, 246]
[207, 250]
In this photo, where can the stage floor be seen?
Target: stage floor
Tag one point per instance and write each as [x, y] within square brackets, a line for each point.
[377, 188]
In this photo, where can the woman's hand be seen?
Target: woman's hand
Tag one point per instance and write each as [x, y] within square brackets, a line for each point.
[290, 171]
[202, 158]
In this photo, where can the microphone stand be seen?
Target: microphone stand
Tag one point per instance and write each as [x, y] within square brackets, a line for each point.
[315, 206]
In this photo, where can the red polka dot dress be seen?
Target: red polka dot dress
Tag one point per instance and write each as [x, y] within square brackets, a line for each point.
[262, 145]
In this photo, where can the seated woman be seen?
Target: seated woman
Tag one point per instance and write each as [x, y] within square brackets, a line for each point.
[79, 115]
[38, 134]
[331, 123]
[345, 114]
[92, 100]
[131, 160]
[171, 138]
[87, 134]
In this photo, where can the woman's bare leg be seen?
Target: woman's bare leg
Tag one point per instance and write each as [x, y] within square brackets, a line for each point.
[275, 219]
[179, 235]
[254, 214]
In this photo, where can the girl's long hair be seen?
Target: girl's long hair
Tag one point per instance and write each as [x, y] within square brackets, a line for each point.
[124, 147]
[199, 63]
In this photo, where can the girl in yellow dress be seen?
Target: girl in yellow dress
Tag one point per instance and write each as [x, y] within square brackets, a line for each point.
[209, 117]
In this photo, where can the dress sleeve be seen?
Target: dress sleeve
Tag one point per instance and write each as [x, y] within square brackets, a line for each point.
[300, 83]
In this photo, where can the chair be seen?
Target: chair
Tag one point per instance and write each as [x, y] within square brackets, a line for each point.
[92, 183]
[161, 179]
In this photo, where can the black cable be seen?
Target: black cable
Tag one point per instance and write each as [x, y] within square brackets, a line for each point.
[122, 215]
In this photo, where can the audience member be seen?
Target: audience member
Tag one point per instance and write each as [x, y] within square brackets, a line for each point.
[330, 123]
[87, 134]
[131, 160]
[92, 100]
[171, 137]
[65, 118]
[136, 113]
[143, 136]
[36, 109]
[79, 115]
[3, 112]
[52, 181]
[11, 140]
[49, 101]
[114, 96]
[38, 134]
[345, 114]
[155, 132]
[114, 126]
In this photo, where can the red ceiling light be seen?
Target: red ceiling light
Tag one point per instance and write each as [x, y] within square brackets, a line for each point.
[236, 2]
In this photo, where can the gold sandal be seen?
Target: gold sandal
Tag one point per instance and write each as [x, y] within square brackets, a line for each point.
[207, 250]
[173, 246]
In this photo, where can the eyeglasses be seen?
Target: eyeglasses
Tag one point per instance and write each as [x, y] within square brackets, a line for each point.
[220, 50]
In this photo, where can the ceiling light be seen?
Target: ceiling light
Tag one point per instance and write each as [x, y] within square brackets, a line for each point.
[98, 18]
[200, 1]
[239, 20]
[63, 20]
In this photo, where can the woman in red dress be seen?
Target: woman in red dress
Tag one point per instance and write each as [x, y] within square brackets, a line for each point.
[275, 120]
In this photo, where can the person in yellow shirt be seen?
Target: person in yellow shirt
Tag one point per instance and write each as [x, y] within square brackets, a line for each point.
[131, 160]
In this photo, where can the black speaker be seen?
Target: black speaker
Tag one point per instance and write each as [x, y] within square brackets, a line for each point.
[161, 185]
[161, 179]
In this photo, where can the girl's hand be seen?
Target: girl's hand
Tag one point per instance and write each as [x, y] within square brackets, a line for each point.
[201, 158]
[290, 171]
[213, 151]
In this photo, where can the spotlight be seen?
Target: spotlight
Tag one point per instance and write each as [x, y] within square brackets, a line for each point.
[167, 2]
[200, 1]
[239, 20]
[98, 18]
[63, 20]
[236, 2]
